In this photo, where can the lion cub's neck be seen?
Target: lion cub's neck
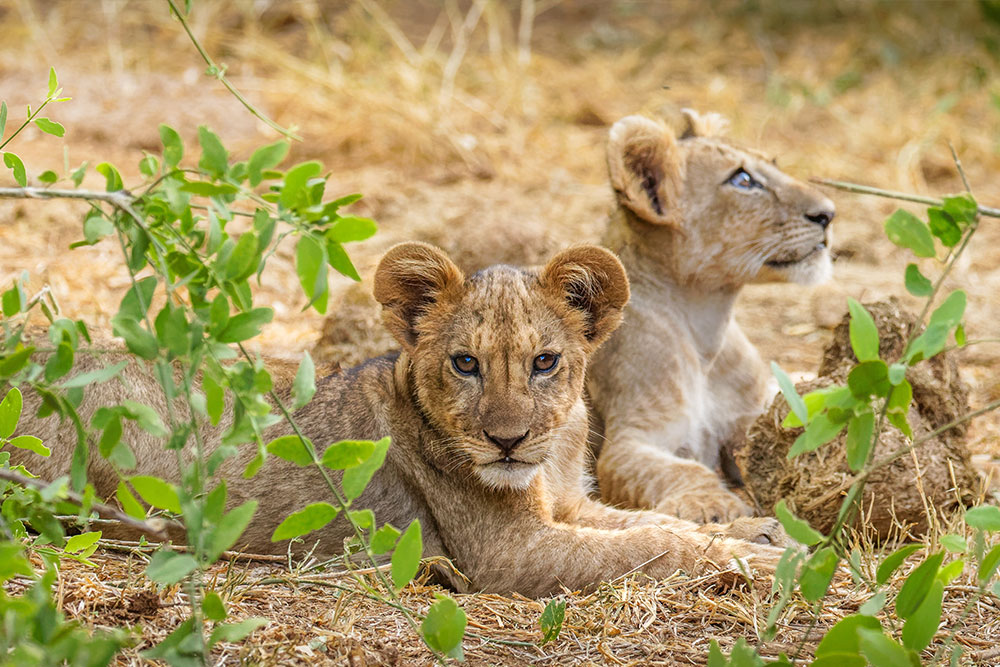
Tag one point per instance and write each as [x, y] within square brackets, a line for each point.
[665, 281]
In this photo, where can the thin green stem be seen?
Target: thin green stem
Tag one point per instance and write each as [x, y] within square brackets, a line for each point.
[25, 123]
[901, 196]
[219, 73]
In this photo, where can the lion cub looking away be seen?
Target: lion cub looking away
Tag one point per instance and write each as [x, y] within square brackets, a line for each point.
[697, 219]
[484, 406]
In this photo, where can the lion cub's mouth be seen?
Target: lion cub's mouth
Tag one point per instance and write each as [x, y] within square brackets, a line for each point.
[782, 264]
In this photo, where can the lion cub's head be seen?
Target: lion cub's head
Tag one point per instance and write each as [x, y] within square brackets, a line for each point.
[725, 215]
[498, 358]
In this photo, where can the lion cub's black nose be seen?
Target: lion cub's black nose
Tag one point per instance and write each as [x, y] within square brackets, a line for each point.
[821, 217]
[506, 445]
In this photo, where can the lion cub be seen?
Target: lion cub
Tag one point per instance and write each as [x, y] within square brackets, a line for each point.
[697, 219]
[485, 408]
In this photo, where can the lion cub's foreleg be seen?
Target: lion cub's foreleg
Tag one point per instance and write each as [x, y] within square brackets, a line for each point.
[633, 473]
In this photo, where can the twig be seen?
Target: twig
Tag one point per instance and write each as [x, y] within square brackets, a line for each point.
[524, 32]
[220, 74]
[457, 55]
[105, 511]
[391, 29]
[987, 211]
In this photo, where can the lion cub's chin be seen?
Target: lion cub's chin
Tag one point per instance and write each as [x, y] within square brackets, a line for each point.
[815, 269]
[513, 476]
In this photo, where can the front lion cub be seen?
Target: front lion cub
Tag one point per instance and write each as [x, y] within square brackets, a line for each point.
[484, 406]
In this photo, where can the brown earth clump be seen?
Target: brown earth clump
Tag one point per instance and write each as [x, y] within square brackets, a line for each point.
[935, 476]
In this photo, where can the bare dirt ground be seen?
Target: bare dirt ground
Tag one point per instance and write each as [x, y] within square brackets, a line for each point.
[451, 127]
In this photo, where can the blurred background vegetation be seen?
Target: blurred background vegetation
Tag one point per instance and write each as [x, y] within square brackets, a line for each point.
[455, 116]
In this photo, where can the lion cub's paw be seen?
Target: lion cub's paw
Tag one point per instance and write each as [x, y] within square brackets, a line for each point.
[710, 506]
[758, 530]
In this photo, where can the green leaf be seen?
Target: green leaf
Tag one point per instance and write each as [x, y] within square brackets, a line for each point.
[206, 189]
[953, 543]
[292, 448]
[444, 627]
[50, 127]
[78, 543]
[880, 650]
[951, 571]
[551, 620]
[139, 341]
[384, 539]
[94, 377]
[10, 412]
[839, 660]
[984, 517]
[77, 174]
[244, 258]
[157, 493]
[874, 604]
[817, 574]
[177, 647]
[3, 118]
[348, 454]
[908, 231]
[225, 534]
[215, 399]
[819, 432]
[173, 147]
[13, 363]
[128, 502]
[30, 443]
[310, 265]
[137, 300]
[989, 565]
[917, 585]
[48, 177]
[112, 179]
[234, 632]
[869, 377]
[53, 82]
[944, 226]
[863, 333]
[795, 402]
[245, 326]
[406, 556]
[950, 311]
[337, 258]
[919, 629]
[304, 386]
[352, 228]
[897, 373]
[147, 418]
[893, 561]
[169, 567]
[12, 301]
[898, 406]
[214, 158]
[357, 478]
[265, 157]
[213, 608]
[798, 529]
[962, 208]
[96, 227]
[843, 637]
[17, 167]
[860, 430]
[312, 517]
[148, 166]
[295, 182]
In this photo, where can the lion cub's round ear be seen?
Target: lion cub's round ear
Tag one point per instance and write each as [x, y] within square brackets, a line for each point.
[703, 124]
[591, 280]
[408, 280]
[646, 168]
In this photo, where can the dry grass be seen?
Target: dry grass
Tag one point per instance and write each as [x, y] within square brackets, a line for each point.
[445, 140]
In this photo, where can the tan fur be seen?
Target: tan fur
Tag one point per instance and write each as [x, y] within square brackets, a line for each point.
[679, 378]
[517, 519]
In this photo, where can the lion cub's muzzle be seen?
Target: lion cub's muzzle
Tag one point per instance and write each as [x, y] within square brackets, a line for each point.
[506, 445]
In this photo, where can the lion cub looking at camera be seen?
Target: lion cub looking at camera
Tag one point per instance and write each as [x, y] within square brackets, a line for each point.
[697, 219]
[485, 408]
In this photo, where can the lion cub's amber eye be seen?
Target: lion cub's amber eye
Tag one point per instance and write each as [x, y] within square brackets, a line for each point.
[546, 362]
[465, 364]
